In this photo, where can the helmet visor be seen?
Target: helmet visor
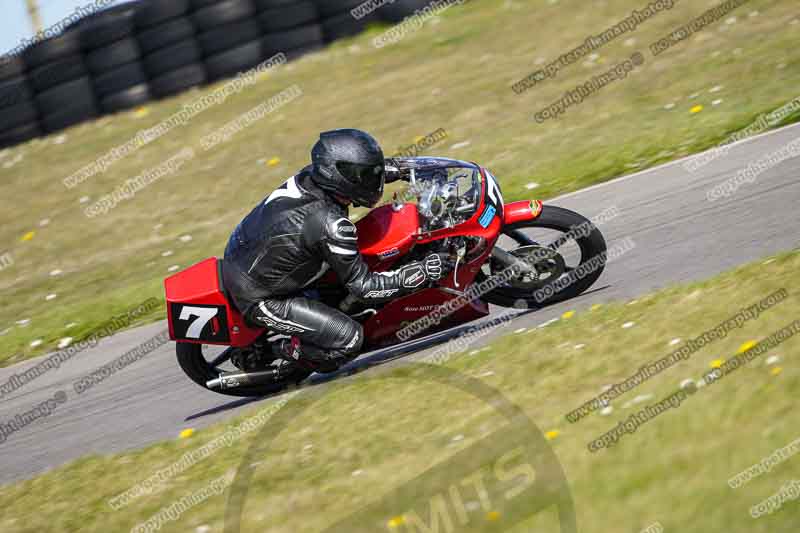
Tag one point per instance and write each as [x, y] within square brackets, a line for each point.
[370, 176]
[369, 180]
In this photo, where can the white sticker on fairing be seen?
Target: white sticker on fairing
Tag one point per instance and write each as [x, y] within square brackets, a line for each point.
[493, 189]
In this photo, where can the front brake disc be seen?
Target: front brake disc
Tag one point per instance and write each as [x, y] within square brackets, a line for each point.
[547, 264]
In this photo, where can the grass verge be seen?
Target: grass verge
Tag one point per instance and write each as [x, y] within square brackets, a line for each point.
[367, 435]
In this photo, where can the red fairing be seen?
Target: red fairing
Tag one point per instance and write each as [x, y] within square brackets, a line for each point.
[384, 235]
[521, 211]
[381, 329]
[198, 311]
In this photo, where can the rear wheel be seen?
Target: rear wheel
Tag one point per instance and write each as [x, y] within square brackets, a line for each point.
[567, 253]
[193, 362]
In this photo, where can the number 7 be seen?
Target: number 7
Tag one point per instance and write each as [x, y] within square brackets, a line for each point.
[203, 314]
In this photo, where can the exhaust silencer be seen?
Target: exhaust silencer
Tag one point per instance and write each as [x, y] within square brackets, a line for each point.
[232, 380]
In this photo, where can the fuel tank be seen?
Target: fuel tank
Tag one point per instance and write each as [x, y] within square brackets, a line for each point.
[385, 234]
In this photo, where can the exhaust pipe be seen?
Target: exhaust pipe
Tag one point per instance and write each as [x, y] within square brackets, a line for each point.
[232, 380]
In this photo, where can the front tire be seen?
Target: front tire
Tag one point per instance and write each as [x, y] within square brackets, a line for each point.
[592, 248]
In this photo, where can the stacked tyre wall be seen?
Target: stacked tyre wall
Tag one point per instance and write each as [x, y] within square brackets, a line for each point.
[132, 53]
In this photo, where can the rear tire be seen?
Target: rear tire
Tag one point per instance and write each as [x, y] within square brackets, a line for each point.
[194, 365]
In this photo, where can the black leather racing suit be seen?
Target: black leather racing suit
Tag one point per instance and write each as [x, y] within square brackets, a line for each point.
[287, 242]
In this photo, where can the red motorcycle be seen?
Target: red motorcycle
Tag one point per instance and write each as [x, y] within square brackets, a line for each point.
[520, 254]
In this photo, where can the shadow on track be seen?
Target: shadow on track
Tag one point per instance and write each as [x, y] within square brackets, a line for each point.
[375, 358]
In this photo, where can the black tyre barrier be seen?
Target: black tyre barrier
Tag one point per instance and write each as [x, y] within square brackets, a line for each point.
[263, 5]
[200, 4]
[331, 8]
[16, 115]
[106, 27]
[156, 12]
[229, 36]
[178, 80]
[58, 47]
[55, 99]
[155, 38]
[221, 13]
[307, 37]
[119, 79]
[234, 60]
[400, 9]
[129, 98]
[74, 114]
[297, 53]
[57, 72]
[11, 67]
[173, 57]
[14, 91]
[20, 134]
[290, 16]
[113, 55]
[345, 25]
[156, 48]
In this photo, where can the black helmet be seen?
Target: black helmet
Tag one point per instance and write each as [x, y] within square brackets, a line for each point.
[349, 163]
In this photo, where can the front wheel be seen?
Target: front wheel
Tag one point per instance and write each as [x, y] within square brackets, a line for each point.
[201, 371]
[565, 249]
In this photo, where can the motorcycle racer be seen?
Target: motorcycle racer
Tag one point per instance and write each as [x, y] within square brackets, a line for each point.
[298, 232]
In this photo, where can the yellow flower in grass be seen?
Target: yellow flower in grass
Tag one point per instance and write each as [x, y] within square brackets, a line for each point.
[568, 314]
[717, 363]
[186, 433]
[552, 434]
[775, 371]
[397, 521]
[28, 236]
[493, 516]
[696, 109]
[746, 346]
[274, 161]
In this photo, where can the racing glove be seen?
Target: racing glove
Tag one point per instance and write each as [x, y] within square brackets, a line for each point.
[437, 266]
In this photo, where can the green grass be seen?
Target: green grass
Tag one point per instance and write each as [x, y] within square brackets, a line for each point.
[392, 426]
[454, 75]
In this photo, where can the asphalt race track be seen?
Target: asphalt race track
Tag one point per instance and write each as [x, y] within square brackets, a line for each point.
[679, 236]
